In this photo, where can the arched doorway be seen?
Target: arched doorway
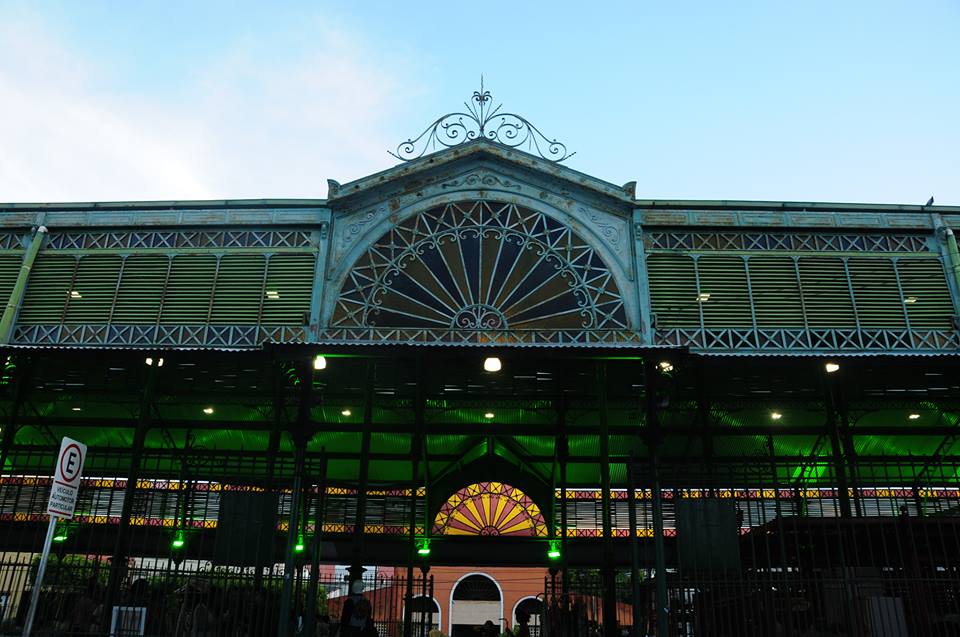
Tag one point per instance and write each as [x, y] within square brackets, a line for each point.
[532, 609]
[425, 615]
[475, 599]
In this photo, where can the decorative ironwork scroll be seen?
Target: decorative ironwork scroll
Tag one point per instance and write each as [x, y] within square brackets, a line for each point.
[484, 266]
[482, 120]
[490, 508]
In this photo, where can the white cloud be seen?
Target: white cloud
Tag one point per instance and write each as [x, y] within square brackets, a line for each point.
[243, 125]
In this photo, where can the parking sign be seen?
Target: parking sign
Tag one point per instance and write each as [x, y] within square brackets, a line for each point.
[66, 478]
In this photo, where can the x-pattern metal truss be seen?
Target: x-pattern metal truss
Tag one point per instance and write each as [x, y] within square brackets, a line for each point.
[179, 239]
[792, 241]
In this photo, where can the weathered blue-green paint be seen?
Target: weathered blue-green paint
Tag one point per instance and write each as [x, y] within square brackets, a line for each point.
[640, 274]
[322, 238]
[622, 230]
[946, 244]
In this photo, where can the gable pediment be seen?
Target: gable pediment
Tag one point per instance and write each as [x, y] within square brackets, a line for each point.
[481, 165]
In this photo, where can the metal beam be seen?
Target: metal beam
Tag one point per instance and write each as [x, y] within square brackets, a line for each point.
[653, 438]
[356, 560]
[301, 432]
[608, 572]
[118, 562]
[455, 428]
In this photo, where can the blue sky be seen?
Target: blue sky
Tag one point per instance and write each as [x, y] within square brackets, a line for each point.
[796, 101]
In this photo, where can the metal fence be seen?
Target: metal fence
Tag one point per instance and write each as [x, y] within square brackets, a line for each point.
[768, 557]
[162, 597]
[748, 549]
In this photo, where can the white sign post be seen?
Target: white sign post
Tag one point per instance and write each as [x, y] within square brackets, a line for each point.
[63, 500]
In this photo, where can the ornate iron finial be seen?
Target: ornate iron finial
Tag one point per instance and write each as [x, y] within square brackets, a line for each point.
[482, 119]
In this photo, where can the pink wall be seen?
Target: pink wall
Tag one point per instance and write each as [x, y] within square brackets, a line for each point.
[514, 583]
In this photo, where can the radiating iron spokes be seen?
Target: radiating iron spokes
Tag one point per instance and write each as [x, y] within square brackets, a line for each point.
[480, 265]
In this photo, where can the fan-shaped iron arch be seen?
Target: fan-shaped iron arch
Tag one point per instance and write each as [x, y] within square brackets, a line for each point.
[480, 265]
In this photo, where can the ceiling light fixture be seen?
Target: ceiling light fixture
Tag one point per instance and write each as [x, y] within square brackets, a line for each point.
[208, 410]
[346, 412]
[666, 366]
[273, 295]
[76, 409]
[492, 364]
[914, 416]
[319, 362]
[776, 415]
[703, 297]
[74, 294]
[910, 300]
[831, 367]
[488, 415]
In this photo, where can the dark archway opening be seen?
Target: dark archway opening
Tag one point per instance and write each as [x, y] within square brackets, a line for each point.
[475, 600]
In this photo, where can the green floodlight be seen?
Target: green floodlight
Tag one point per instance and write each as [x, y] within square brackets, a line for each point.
[423, 548]
[178, 541]
[298, 547]
[554, 551]
[61, 536]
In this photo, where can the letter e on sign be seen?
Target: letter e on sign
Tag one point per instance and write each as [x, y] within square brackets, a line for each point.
[66, 478]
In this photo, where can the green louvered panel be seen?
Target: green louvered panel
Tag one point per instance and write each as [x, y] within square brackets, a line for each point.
[924, 280]
[94, 288]
[47, 290]
[673, 290]
[187, 298]
[725, 280]
[9, 270]
[776, 293]
[288, 289]
[876, 292]
[826, 295]
[239, 290]
[141, 289]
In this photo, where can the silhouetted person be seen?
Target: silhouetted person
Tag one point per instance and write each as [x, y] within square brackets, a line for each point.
[86, 612]
[523, 623]
[360, 623]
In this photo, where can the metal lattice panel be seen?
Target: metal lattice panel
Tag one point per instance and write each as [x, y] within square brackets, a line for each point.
[10, 241]
[813, 340]
[480, 266]
[789, 241]
[150, 335]
[178, 239]
[345, 336]
[817, 302]
[237, 299]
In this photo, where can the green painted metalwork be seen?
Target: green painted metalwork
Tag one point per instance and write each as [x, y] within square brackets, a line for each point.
[16, 295]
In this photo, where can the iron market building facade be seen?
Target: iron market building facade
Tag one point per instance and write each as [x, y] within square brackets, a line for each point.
[704, 417]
